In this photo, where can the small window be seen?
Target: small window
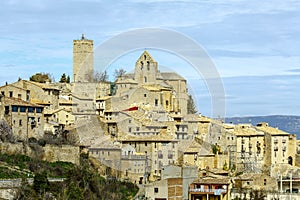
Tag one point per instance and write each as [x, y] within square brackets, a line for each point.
[265, 181]
[6, 110]
[14, 108]
[10, 94]
[156, 102]
[145, 144]
[129, 129]
[156, 190]
[20, 122]
[20, 96]
[22, 109]
[3, 93]
[30, 109]
[39, 110]
[145, 95]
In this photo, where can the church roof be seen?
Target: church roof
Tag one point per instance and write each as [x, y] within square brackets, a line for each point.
[171, 76]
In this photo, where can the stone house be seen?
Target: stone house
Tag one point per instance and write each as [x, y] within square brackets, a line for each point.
[281, 147]
[26, 119]
[40, 93]
[15, 92]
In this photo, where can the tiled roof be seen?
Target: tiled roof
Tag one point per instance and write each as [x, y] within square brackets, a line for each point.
[18, 102]
[171, 76]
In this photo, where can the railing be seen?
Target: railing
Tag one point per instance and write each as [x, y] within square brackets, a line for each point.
[142, 157]
[208, 190]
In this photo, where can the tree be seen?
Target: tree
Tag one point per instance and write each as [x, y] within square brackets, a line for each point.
[119, 73]
[68, 79]
[101, 76]
[63, 78]
[40, 183]
[41, 77]
[191, 108]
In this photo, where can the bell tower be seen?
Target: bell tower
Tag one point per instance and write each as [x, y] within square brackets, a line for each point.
[145, 69]
[83, 60]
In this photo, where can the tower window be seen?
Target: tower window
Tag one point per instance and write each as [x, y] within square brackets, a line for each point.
[142, 64]
[145, 57]
[148, 65]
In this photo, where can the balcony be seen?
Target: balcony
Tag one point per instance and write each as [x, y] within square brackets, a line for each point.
[208, 191]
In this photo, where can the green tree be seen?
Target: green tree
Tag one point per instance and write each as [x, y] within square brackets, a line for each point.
[63, 78]
[41, 77]
[40, 183]
[191, 108]
[68, 79]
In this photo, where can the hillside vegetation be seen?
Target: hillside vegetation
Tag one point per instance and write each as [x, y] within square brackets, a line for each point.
[80, 182]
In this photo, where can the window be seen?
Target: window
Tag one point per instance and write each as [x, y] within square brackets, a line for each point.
[20, 122]
[14, 108]
[145, 79]
[20, 96]
[10, 94]
[22, 109]
[38, 110]
[265, 181]
[156, 102]
[148, 65]
[6, 110]
[3, 93]
[156, 190]
[27, 95]
[145, 143]
[129, 129]
[31, 110]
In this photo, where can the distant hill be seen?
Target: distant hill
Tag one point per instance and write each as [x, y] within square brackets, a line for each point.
[288, 123]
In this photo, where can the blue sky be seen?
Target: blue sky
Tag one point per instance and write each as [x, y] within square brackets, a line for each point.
[255, 45]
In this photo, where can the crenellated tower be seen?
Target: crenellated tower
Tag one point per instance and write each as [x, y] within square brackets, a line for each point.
[83, 59]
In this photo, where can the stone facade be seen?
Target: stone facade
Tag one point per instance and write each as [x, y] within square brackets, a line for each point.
[83, 60]
[25, 119]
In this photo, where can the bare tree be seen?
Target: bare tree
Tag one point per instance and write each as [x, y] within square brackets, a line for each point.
[101, 76]
[119, 73]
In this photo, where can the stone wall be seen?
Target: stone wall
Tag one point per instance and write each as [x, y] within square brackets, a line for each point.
[50, 153]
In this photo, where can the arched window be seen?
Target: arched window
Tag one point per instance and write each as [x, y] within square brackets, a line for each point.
[290, 160]
[142, 64]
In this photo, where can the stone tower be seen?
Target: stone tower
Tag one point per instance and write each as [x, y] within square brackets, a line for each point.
[83, 60]
[145, 69]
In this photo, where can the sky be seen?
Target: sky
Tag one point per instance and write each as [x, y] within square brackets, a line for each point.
[255, 45]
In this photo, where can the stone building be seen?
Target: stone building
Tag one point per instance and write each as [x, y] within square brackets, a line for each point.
[83, 60]
[166, 89]
[16, 92]
[280, 146]
[39, 93]
[25, 119]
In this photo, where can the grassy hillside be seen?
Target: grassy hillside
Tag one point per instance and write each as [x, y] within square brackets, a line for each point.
[81, 182]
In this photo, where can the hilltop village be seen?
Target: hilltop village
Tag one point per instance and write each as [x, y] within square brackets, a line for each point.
[140, 129]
